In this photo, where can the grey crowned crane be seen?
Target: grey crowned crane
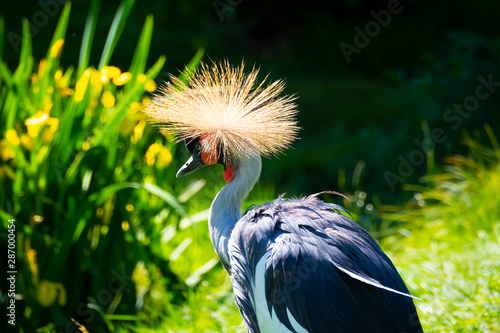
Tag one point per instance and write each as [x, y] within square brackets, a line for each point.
[298, 265]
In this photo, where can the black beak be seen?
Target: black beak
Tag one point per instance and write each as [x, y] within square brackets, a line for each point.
[194, 163]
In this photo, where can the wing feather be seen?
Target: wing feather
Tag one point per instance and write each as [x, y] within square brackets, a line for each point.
[323, 269]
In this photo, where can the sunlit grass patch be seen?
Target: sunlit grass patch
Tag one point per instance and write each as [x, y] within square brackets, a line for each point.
[450, 257]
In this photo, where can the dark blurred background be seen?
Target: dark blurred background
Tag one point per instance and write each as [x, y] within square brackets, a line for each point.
[363, 117]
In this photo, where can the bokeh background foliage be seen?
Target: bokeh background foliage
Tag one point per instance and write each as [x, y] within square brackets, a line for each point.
[109, 240]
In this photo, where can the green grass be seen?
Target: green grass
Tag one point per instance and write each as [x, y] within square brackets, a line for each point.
[450, 257]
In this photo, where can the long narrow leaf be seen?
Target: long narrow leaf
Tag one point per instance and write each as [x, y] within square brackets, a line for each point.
[115, 31]
[88, 37]
[2, 36]
[140, 58]
[61, 26]
[192, 65]
[153, 189]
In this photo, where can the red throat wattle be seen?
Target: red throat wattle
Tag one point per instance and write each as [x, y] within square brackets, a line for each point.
[229, 173]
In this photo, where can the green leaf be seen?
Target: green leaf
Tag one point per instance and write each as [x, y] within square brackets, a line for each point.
[167, 197]
[140, 58]
[61, 27]
[6, 74]
[153, 189]
[192, 65]
[196, 277]
[88, 37]
[2, 36]
[115, 31]
[23, 71]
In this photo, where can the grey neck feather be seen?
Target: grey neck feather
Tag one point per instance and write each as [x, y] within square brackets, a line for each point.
[226, 207]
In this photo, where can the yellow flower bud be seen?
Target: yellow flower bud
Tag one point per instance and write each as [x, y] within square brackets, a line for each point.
[150, 86]
[5, 152]
[122, 79]
[138, 131]
[109, 72]
[56, 50]
[107, 99]
[81, 85]
[141, 78]
[164, 157]
[27, 142]
[46, 293]
[11, 136]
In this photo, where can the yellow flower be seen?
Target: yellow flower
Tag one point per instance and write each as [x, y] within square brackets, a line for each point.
[85, 145]
[48, 292]
[108, 100]
[81, 85]
[150, 156]
[125, 226]
[67, 92]
[41, 67]
[134, 107]
[11, 136]
[122, 79]
[31, 254]
[27, 142]
[56, 50]
[109, 72]
[138, 131]
[33, 123]
[38, 218]
[150, 86]
[5, 152]
[34, 78]
[158, 153]
[164, 157]
[48, 133]
[58, 76]
[141, 78]
[39, 120]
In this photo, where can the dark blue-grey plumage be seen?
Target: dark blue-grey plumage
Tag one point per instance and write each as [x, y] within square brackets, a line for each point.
[320, 267]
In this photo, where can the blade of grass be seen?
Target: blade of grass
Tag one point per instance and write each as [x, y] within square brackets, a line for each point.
[2, 37]
[21, 77]
[23, 71]
[61, 27]
[140, 58]
[192, 65]
[88, 37]
[115, 31]
[153, 189]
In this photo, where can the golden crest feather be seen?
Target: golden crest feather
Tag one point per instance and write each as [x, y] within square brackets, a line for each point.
[229, 108]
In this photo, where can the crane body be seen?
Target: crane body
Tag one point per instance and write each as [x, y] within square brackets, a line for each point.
[296, 265]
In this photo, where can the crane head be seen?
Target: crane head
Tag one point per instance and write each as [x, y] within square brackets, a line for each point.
[226, 113]
[204, 153]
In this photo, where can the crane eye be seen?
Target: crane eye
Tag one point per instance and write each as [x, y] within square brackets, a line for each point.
[197, 146]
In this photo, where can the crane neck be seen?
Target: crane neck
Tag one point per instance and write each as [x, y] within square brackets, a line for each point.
[226, 207]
